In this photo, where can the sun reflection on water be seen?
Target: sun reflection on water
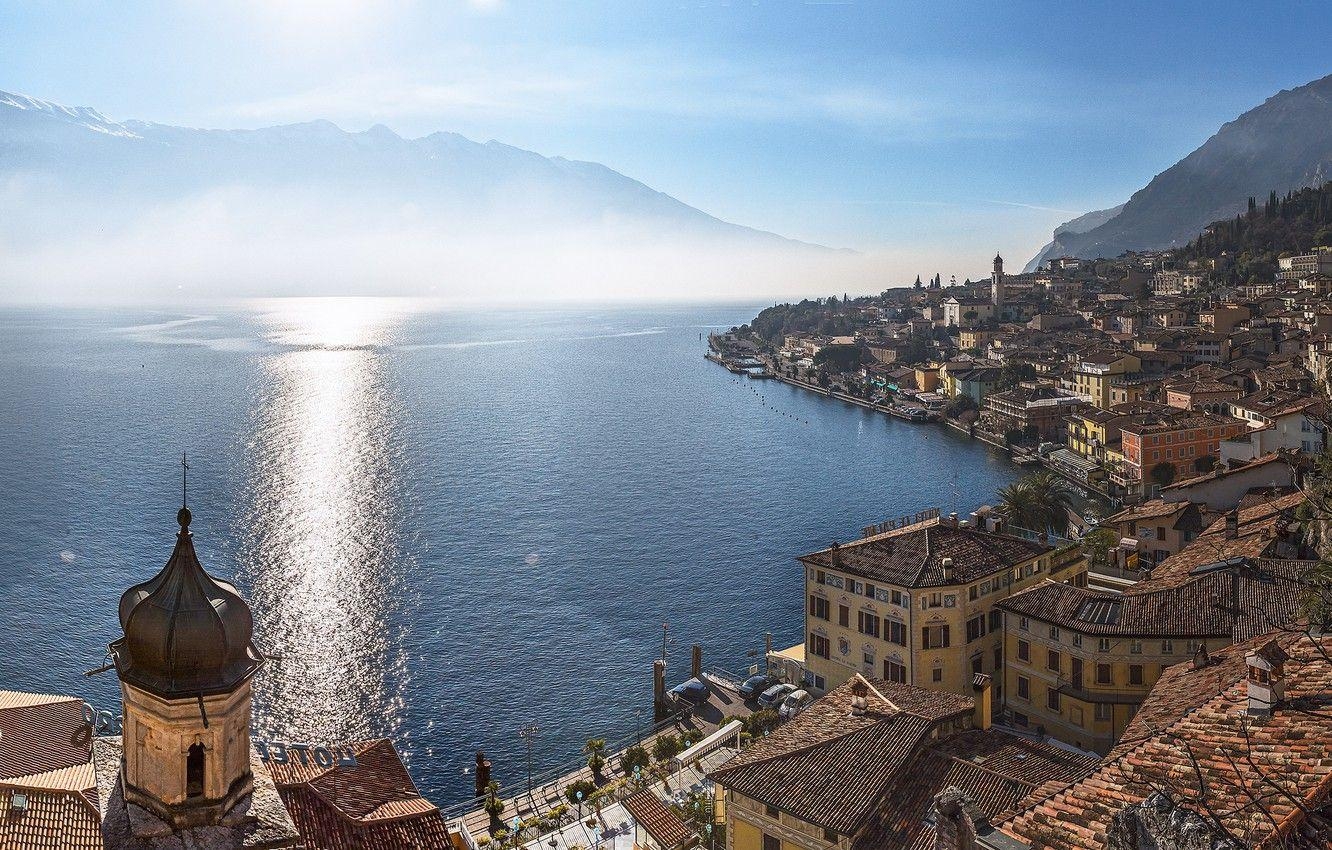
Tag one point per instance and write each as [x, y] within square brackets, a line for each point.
[321, 539]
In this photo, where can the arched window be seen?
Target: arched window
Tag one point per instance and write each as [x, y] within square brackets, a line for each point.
[194, 771]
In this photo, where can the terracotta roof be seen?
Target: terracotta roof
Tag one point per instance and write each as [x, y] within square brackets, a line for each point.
[664, 825]
[1222, 472]
[996, 771]
[368, 807]
[1198, 607]
[41, 734]
[913, 556]
[831, 768]
[50, 820]
[1257, 534]
[1154, 509]
[46, 759]
[1253, 772]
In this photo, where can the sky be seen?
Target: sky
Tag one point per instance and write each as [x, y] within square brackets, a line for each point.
[935, 133]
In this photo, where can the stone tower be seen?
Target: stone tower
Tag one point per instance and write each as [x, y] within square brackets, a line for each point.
[185, 664]
[997, 285]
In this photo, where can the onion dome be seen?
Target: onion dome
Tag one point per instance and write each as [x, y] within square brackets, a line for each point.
[187, 633]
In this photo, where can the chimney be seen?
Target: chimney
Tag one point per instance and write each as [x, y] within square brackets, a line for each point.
[980, 683]
[947, 565]
[859, 697]
[834, 554]
[952, 520]
[954, 828]
[1266, 678]
[1232, 524]
[1200, 657]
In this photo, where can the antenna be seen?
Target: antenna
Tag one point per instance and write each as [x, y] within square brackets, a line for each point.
[184, 481]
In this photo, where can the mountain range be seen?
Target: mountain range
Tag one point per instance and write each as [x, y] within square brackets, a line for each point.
[1283, 144]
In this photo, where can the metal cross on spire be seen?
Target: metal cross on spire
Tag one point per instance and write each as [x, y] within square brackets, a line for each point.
[184, 481]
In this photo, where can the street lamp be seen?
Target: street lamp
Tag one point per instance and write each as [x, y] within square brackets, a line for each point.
[527, 733]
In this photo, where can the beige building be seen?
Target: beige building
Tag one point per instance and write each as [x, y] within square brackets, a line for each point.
[874, 765]
[914, 602]
[1096, 372]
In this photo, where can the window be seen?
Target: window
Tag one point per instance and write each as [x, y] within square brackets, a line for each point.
[898, 599]
[998, 658]
[895, 632]
[1104, 675]
[978, 664]
[936, 675]
[843, 615]
[1024, 687]
[830, 836]
[936, 600]
[818, 607]
[857, 588]
[1052, 699]
[770, 811]
[996, 620]
[934, 637]
[1077, 639]
[818, 645]
[1052, 660]
[771, 842]
[868, 658]
[1167, 647]
[1023, 624]
[973, 592]
[820, 577]
[867, 623]
[976, 628]
[1076, 676]
[194, 771]
[893, 671]
[869, 591]
[1135, 674]
[1103, 645]
[1054, 633]
[1135, 647]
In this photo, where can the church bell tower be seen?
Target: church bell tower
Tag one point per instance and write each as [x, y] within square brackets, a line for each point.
[185, 665]
[997, 285]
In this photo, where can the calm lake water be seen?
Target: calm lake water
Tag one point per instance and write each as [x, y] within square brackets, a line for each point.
[450, 524]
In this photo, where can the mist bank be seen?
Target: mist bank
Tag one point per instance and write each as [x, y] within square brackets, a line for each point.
[240, 241]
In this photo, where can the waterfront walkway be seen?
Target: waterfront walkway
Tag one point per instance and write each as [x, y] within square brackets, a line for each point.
[724, 705]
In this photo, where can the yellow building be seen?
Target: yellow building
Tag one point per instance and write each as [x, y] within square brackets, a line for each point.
[1096, 371]
[969, 338]
[913, 602]
[872, 766]
[1078, 662]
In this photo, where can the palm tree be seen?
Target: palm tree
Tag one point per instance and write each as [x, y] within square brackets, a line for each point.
[1052, 500]
[1018, 505]
[596, 758]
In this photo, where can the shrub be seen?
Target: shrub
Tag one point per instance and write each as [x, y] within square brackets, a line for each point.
[584, 785]
[667, 747]
[634, 757]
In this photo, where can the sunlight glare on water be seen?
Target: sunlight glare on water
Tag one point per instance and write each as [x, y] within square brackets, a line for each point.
[320, 539]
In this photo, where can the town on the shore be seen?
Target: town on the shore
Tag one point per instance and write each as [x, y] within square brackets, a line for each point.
[1028, 674]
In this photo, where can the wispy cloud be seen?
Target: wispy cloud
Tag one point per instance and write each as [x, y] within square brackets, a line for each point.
[572, 84]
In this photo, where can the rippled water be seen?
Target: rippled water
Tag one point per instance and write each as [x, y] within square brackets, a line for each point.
[450, 524]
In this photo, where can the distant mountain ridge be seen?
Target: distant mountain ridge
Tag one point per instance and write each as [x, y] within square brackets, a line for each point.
[1283, 144]
[78, 151]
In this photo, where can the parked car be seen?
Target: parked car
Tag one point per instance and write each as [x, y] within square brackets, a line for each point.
[794, 703]
[755, 685]
[775, 694]
[694, 692]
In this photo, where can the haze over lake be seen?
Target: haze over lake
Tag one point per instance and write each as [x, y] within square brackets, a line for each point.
[449, 524]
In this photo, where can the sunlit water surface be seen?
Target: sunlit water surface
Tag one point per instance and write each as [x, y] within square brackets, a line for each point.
[450, 524]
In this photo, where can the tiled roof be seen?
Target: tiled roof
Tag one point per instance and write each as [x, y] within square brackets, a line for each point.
[46, 758]
[1154, 509]
[995, 770]
[1198, 607]
[913, 556]
[831, 768]
[1257, 531]
[51, 820]
[1253, 772]
[1222, 472]
[664, 825]
[41, 735]
[368, 807]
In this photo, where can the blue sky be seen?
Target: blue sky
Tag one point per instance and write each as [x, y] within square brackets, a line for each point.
[938, 133]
